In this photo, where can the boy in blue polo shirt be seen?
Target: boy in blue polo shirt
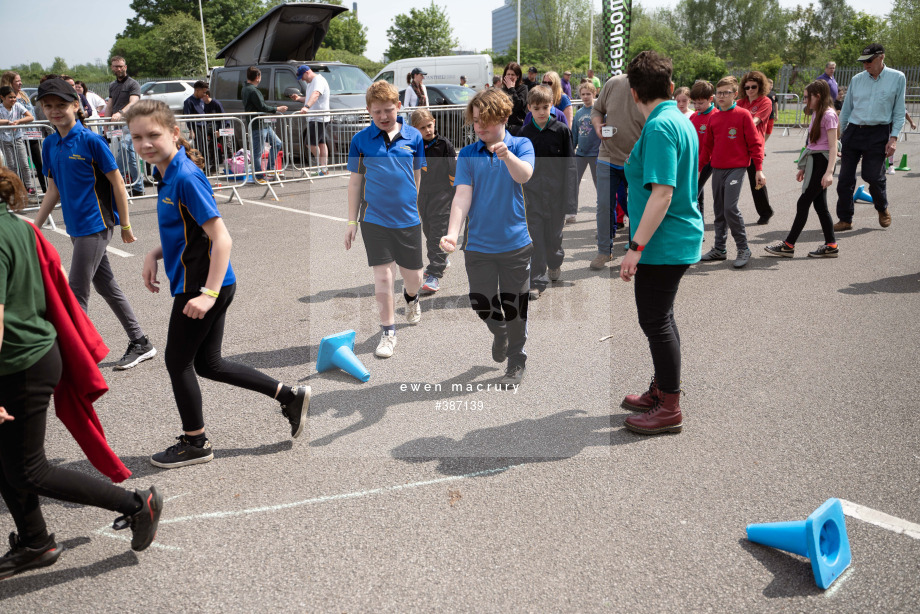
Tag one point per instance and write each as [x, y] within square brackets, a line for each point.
[490, 195]
[386, 160]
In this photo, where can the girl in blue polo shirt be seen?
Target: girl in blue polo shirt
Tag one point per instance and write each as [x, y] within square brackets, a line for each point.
[82, 173]
[195, 249]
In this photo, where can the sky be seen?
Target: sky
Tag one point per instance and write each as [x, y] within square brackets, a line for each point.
[83, 36]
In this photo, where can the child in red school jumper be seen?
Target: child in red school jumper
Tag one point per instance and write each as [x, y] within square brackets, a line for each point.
[702, 94]
[816, 171]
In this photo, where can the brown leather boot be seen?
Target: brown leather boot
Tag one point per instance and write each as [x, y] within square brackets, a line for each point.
[644, 401]
[665, 417]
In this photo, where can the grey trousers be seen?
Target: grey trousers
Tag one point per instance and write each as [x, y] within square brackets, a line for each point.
[726, 190]
[91, 265]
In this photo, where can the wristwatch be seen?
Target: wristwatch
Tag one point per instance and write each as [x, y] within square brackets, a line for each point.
[635, 246]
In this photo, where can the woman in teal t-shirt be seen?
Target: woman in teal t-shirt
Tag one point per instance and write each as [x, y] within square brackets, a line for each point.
[667, 233]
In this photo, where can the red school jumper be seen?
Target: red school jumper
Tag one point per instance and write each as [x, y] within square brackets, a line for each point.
[761, 108]
[701, 122]
[732, 141]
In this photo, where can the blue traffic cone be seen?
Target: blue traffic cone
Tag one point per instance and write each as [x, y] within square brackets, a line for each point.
[338, 351]
[822, 537]
[862, 195]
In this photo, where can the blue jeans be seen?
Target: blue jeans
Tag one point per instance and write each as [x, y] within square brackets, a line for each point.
[609, 180]
[126, 158]
[259, 136]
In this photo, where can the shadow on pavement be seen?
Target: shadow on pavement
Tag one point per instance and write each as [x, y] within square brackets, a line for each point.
[792, 576]
[29, 582]
[552, 438]
[902, 284]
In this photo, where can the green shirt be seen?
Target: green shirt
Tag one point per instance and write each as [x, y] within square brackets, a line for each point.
[27, 335]
[667, 154]
[253, 102]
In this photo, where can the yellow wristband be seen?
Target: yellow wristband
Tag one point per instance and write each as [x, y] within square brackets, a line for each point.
[207, 292]
[351, 223]
[128, 227]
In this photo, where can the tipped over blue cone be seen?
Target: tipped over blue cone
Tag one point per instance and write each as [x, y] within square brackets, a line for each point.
[338, 351]
[862, 195]
[822, 537]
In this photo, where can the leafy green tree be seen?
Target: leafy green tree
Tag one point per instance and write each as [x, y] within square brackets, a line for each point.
[804, 41]
[561, 27]
[59, 66]
[224, 19]
[860, 28]
[739, 30]
[833, 16]
[903, 45]
[171, 48]
[420, 33]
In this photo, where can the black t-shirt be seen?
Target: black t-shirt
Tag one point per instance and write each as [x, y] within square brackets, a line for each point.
[838, 105]
[120, 93]
[772, 97]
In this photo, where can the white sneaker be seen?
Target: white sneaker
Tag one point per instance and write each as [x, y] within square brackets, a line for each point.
[570, 219]
[890, 170]
[414, 311]
[386, 346]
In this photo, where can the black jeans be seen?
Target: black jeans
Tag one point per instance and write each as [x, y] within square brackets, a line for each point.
[26, 474]
[499, 291]
[761, 200]
[194, 346]
[434, 210]
[813, 194]
[705, 174]
[545, 221]
[655, 288]
[868, 143]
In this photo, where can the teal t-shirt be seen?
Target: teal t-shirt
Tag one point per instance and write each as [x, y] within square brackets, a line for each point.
[667, 154]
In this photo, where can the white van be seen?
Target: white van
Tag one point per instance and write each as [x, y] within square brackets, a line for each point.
[441, 69]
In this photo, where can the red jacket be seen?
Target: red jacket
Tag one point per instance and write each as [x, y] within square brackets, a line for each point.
[761, 108]
[732, 141]
[81, 350]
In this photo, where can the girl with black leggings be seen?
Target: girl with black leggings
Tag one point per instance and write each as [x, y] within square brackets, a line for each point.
[30, 369]
[195, 249]
[816, 170]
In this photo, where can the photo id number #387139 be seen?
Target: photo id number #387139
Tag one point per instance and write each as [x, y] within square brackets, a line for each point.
[459, 405]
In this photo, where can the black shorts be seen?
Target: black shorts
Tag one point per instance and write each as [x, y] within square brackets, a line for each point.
[319, 134]
[385, 245]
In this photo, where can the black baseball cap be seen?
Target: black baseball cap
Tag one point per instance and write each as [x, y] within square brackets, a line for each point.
[418, 71]
[56, 87]
[531, 69]
[870, 52]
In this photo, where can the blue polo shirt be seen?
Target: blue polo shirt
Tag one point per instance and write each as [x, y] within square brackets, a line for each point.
[389, 195]
[185, 201]
[667, 153]
[497, 221]
[78, 164]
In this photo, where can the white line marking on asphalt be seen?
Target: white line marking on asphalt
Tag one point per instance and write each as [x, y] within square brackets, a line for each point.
[880, 519]
[115, 251]
[107, 532]
[253, 202]
[837, 583]
[327, 498]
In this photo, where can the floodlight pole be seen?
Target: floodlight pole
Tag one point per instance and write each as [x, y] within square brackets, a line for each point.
[204, 42]
[519, 32]
[591, 39]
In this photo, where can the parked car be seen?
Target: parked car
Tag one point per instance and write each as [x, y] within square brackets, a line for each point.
[450, 123]
[277, 43]
[173, 93]
[444, 69]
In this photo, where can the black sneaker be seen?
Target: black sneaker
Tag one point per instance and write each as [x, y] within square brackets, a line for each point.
[780, 249]
[714, 254]
[143, 522]
[825, 251]
[137, 352]
[296, 412]
[500, 347]
[182, 454]
[513, 376]
[22, 558]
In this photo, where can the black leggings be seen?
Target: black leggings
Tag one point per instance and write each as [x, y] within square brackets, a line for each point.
[815, 195]
[655, 288]
[26, 474]
[193, 346]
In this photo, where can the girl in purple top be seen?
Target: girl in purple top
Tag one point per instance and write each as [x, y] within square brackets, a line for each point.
[816, 171]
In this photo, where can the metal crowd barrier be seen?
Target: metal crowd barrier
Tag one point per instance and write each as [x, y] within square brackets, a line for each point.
[782, 106]
[17, 155]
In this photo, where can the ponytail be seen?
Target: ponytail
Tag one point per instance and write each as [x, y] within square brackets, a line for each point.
[193, 154]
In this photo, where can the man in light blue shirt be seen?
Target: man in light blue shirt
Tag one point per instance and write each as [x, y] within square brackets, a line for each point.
[870, 121]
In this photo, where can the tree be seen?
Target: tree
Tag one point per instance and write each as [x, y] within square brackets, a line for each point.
[903, 45]
[561, 27]
[171, 48]
[805, 40]
[59, 67]
[421, 33]
[738, 30]
[224, 19]
[860, 28]
[833, 16]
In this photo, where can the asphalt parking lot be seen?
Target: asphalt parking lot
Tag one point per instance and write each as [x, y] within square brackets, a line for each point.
[800, 379]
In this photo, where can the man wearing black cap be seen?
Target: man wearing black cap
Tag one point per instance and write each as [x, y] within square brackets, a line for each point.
[870, 121]
[531, 80]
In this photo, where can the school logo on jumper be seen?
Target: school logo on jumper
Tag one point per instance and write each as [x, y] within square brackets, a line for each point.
[702, 128]
[732, 133]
